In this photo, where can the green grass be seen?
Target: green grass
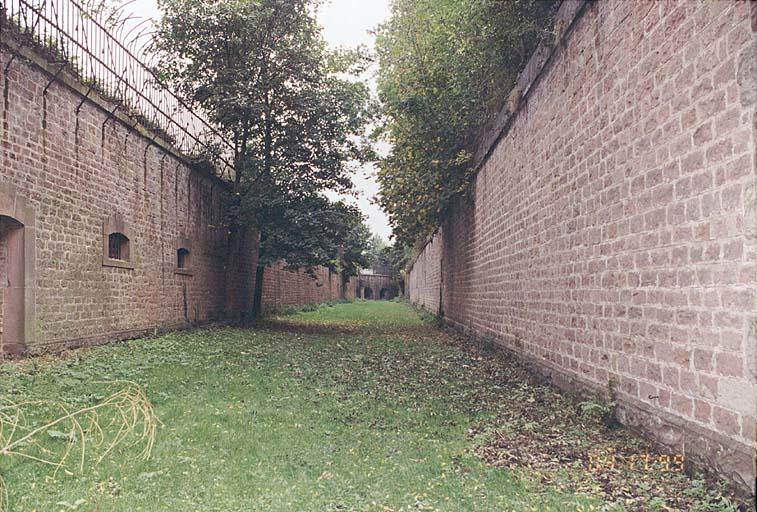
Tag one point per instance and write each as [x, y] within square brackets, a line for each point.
[358, 406]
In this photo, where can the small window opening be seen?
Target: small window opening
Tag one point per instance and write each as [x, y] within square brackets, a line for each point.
[182, 258]
[118, 246]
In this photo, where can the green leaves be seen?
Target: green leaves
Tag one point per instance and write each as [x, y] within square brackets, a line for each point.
[445, 70]
[263, 73]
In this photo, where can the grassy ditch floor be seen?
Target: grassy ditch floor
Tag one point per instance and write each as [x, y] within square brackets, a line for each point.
[361, 406]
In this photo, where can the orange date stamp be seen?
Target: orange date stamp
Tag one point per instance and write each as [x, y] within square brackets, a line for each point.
[637, 462]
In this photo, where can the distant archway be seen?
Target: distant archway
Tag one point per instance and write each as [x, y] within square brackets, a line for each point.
[384, 294]
[368, 293]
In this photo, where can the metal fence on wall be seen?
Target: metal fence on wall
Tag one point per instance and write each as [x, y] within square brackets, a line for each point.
[80, 42]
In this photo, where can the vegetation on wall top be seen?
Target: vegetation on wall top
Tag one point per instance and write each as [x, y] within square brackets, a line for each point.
[446, 68]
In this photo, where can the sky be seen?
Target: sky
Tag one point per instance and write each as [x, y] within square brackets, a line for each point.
[345, 23]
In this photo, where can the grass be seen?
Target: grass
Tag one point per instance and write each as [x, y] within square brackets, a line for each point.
[360, 406]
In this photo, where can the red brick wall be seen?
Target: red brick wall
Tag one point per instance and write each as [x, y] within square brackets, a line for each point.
[425, 281]
[611, 231]
[78, 170]
[73, 172]
[282, 287]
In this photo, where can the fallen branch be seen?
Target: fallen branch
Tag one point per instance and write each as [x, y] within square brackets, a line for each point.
[125, 415]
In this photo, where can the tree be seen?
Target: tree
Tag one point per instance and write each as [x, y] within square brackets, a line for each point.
[375, 254]
[355, 246]
[446, 67]
[262, 72]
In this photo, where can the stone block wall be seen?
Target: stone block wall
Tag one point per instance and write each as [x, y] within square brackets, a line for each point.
[282, 287]
[609, 235]
[76, 169]
[425, 281]
[371, 286]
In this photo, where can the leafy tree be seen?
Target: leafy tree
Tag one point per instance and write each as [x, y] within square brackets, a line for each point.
[262, 72]
[355, 247]
[376, 251]
[399, 255]
[387, 258]
[446, 67]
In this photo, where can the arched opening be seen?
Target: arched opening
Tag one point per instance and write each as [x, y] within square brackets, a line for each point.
[368, 293]
[118, 247]
[183, 259]
[384, 294]
[12, 286]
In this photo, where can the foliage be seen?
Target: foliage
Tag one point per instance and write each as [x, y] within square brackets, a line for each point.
[304, 308]
[262, 72]
[445, 68]
[383, 257]
[399, 255]
[376, 252]
[355, 245]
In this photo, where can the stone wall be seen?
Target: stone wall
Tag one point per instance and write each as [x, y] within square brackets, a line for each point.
[610, 232]
[82, 174]
[424, 283]
[282, 287]
[377, 286]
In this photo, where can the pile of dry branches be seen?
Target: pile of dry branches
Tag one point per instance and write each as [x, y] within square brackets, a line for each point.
[125, 418]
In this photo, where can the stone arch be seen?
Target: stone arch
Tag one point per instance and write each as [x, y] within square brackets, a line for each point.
[17, 271]
[384, 294]
[368, 293]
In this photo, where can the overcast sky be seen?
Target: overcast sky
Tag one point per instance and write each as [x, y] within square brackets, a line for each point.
[345, 23]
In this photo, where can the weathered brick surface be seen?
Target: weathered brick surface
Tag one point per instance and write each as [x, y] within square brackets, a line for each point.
[372, 286]
[282, 287]
[77, 170]
[73, 172]
[610, 232]
[425, 281]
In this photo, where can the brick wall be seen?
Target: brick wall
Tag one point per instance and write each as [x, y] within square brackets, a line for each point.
[377, 283]
[610, 233]
[425, 281]
[74, 172]
[282, 287]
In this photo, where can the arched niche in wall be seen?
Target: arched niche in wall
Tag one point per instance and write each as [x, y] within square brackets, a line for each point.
[184, 256]
[18, 280]
[118, 243]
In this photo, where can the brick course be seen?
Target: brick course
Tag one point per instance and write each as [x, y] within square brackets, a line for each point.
[609, 234]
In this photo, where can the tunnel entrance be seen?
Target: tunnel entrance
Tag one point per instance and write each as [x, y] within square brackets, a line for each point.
[389, 293]
[12, 276]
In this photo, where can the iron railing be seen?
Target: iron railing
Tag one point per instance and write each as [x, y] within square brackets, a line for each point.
[80, 42]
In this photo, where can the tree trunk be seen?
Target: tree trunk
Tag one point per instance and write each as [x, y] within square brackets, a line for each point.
[257, 298]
